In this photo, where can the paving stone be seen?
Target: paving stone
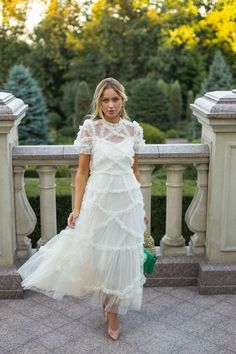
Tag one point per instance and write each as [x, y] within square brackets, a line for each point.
[227, 324]
[220, 338]
[225, 308]
[11, 338]
[210, 316]
[171, 317]
[182, 293]
[55, 320]
[230, 298]
[172, 320]
[205, 301]
[168, 342]
[149, 294]
[53, 340]
[3, 351]
[58, 304]
[30, 348]
[189, 309]
[197, 346]
[31, 309]
[76, 311]
[194, 326]
[74, 330]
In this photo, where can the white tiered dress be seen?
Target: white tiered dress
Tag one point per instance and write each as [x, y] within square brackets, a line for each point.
[101, 259]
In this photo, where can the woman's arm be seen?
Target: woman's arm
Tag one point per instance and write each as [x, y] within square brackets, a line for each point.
[137, 175]
[135, 167]
[80, 184]
[81, 178]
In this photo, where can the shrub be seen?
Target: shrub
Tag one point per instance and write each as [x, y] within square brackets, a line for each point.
[152, 134]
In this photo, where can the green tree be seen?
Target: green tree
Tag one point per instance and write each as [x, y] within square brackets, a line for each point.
[148, 103]
[82, 103]
[68, 100]
[176, 103]
[219, 77]
[190, 99]
[33, 128]
[13, 49]
[54, 47]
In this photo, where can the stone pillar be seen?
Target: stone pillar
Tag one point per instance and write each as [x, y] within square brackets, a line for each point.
[216, 111]
[48, 216]
[173, 243]
[146, 187]
[195, 216]
[24, 214]
[12, 110]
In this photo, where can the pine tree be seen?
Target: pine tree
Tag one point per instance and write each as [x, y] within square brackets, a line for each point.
[190, 99]
[68, 101]
[176, 102]
[219, 77]
[33, 129]
[82, 103]
[148, 103]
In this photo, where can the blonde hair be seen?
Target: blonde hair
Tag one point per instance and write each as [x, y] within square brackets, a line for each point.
[105, 84]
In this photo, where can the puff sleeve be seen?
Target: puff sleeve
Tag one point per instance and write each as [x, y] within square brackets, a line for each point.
[83, 141]
[139, 140]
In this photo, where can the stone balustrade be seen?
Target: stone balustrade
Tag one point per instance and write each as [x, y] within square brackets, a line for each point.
[47, 158]
[211, 215]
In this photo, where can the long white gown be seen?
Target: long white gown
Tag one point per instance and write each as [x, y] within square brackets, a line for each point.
[102, 258]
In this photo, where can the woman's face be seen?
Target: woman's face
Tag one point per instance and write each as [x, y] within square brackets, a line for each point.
[111, 103]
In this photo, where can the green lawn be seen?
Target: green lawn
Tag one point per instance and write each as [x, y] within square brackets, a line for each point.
[63, 186]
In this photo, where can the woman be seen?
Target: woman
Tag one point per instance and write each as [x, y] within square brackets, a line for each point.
[99, 255]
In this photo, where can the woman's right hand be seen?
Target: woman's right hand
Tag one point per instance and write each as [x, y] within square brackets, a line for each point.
[72, 219]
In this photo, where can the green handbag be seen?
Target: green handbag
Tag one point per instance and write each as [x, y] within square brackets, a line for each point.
[149, 263]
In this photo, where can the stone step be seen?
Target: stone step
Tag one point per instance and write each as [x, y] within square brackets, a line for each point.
[10, 283]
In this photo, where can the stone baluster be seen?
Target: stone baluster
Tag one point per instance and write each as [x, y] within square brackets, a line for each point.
[12, 110]
[146, 184]
[195, 216]
[48, 217]
[173, 243]
[25, 216]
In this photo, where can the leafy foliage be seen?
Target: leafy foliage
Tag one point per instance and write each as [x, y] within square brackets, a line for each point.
[163, 41]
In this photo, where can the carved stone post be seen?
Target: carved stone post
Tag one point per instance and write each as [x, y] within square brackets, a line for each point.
[48, 214]
[146, 184]
[195, 216]
[25, 216]
[173, 243]
[12, 110]
[216, 111]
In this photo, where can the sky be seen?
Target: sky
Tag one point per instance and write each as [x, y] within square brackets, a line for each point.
[35, 13]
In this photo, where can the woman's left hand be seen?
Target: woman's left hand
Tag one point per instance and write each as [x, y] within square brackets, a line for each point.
[146, 221]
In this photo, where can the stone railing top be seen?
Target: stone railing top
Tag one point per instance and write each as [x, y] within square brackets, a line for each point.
[151, 153]
[11, 107]
[216, 105]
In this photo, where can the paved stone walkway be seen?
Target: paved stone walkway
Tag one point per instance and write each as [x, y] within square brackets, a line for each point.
[172, 321]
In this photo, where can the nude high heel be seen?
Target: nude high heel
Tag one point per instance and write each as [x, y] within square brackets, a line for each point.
[114, 334]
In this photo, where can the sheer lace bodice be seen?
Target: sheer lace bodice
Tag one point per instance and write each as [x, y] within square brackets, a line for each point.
[112, 145]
